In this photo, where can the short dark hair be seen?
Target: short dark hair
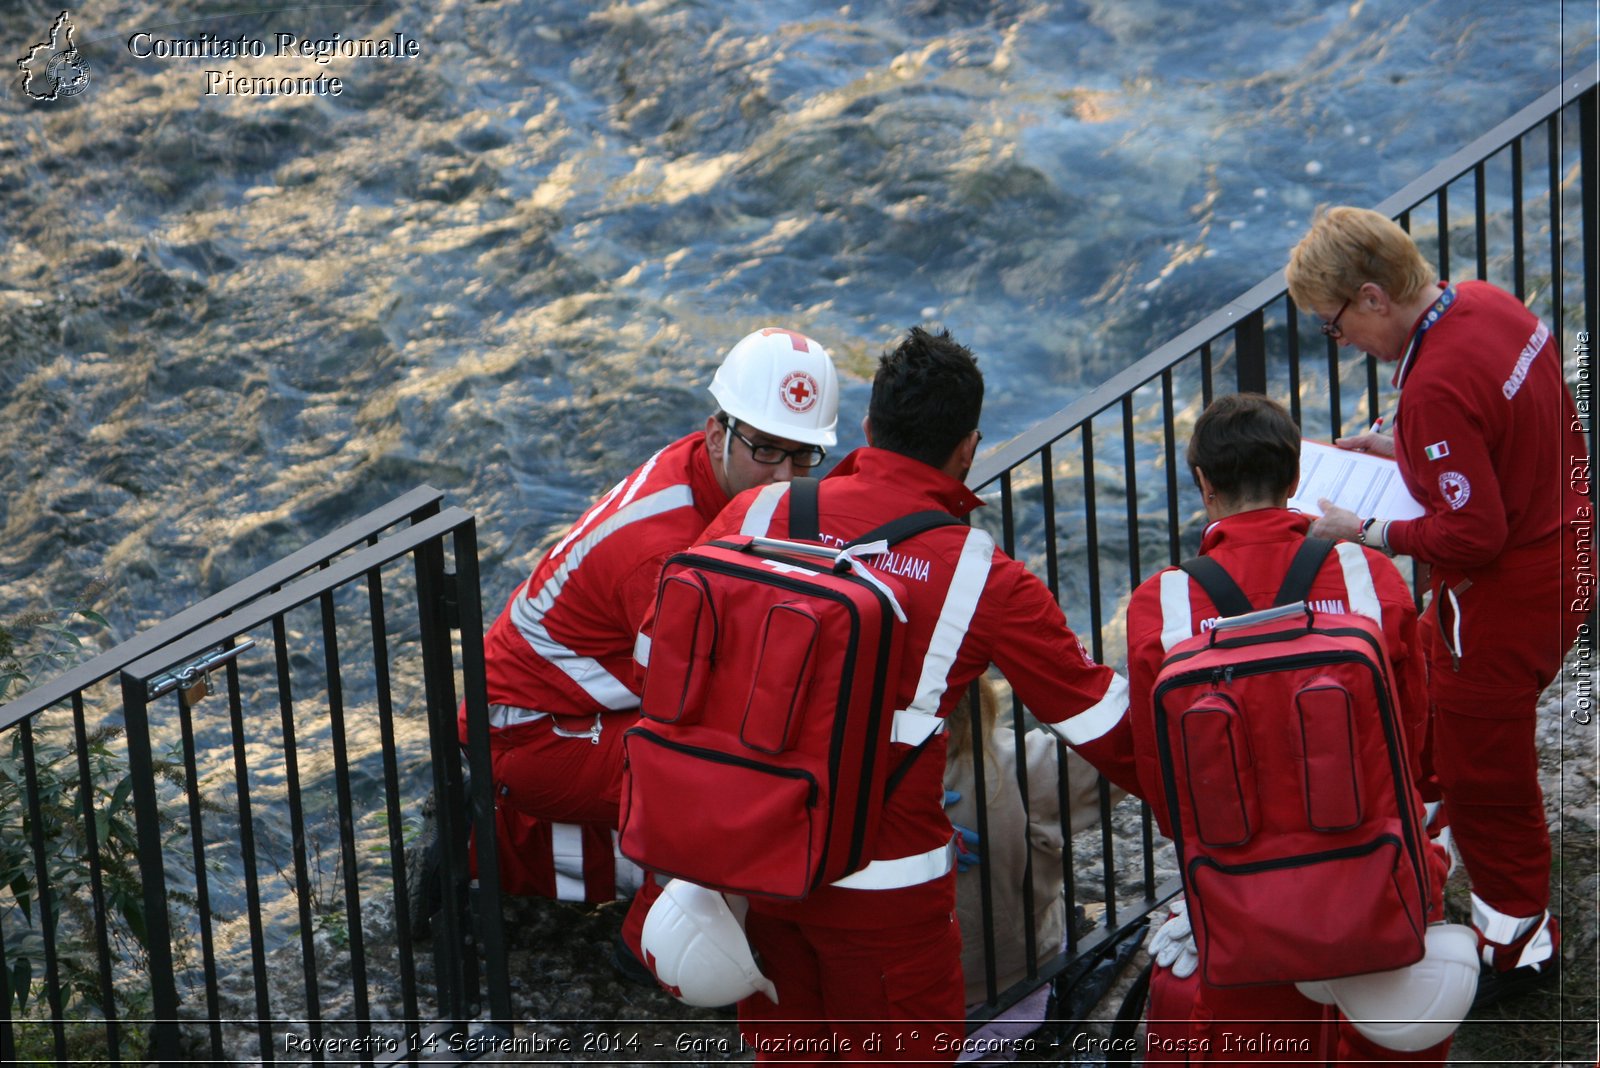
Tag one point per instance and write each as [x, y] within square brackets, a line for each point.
[1248, 447]
[926, 397]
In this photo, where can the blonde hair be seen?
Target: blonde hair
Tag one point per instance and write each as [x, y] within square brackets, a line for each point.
[1348, 247]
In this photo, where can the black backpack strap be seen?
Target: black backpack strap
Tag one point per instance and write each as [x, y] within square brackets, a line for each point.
[1219, 586]
[803, 509]
[1303, 570]
[907, 526]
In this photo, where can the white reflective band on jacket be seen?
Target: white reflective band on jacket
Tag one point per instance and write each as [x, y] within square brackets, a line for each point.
[902, 871]
[508, 716]
[529, 607]
[1097, 720]
[1177, 614]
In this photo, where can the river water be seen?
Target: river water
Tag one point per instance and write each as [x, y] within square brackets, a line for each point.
[506, 265]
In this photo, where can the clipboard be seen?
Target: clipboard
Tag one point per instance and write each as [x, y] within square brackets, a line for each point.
[1368, 485]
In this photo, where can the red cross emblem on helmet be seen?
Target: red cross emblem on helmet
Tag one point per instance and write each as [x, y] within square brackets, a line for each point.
[798, 391]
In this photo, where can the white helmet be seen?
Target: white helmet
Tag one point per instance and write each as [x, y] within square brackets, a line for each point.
[694, 943]
[782, 383]
[1414, 1007]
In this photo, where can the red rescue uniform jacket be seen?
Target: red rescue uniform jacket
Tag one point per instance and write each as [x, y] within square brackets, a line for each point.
[1016, 625]
[564, 643]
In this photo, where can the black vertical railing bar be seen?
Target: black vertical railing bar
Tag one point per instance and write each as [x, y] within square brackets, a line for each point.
[44, 898]
[1519, 266]
[297, 831]
[474, 677]
[1291, 325]
[152, 872]
[1170, 444]
[453, 931]
[1091, 537]
[404, 950]
[415, 506]
[1069, 881]
[1019, 743]
[1557, 304]
[1441, 202]
[1008, 525]
[1250, 353]
[1130, 465]
[1047, 499]
[1205, 375]
[97, 888]
[1335, 405]
[980, 798]
[202, 880]
[349, 861]
[247, 854]
[1480, 218]
[1374, 399]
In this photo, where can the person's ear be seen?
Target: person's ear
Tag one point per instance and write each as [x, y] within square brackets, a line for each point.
[866, 428]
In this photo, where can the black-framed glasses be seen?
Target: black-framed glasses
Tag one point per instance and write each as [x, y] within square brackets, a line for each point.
[804, 456]
[1331, 328]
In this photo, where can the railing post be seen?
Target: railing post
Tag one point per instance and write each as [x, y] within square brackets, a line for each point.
[1250, 353]
[152, 873]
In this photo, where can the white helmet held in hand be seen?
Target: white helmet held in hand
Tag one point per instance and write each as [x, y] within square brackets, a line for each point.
[782, 383]
[1414, 1007]
[694, 943]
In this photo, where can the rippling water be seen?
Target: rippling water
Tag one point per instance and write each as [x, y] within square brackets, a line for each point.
[507, 266]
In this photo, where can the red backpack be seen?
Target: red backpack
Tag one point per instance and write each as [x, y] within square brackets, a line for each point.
[760, 762]
[1288, 789]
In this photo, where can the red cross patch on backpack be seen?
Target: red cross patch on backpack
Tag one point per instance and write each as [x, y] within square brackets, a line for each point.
[1287, 788]
[761, 759]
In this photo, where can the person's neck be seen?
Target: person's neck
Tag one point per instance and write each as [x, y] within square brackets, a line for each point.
[1418, 306]
[1219, 510]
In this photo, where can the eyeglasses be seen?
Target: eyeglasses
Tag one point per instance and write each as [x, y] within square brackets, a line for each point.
[1331, 328]
[805, 456]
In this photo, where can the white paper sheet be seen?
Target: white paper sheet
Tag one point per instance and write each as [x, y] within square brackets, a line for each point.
[1368, 485]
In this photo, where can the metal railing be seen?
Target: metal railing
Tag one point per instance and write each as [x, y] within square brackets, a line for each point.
[1096, 497]
[219, 890]
[263, 876]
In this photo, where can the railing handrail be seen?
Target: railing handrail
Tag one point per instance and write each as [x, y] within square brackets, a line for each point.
[1017, 450]
[419, 500]
[262, 609]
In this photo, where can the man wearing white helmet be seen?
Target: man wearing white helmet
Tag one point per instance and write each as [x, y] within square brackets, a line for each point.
[559, 658]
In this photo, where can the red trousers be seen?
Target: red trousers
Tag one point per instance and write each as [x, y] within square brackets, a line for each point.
[1188, 1022]
[1515, 628]
[878, 994]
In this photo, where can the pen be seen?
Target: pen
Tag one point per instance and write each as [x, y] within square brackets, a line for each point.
[1377, 425]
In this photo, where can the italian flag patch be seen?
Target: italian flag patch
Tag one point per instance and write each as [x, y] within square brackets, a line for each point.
[1438, 450]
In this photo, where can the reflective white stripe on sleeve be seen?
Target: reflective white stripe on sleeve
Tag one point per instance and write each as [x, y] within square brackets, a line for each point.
[641, 649]
[914, 728]
[1177, 617]
[528, 609]
[1358, 582]
[1097, 720]
[960, 601]
[566, 850]
[902, 871]
[509, 716]
[758, 520]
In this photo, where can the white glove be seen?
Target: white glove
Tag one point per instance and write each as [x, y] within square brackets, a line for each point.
[1173, 946]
